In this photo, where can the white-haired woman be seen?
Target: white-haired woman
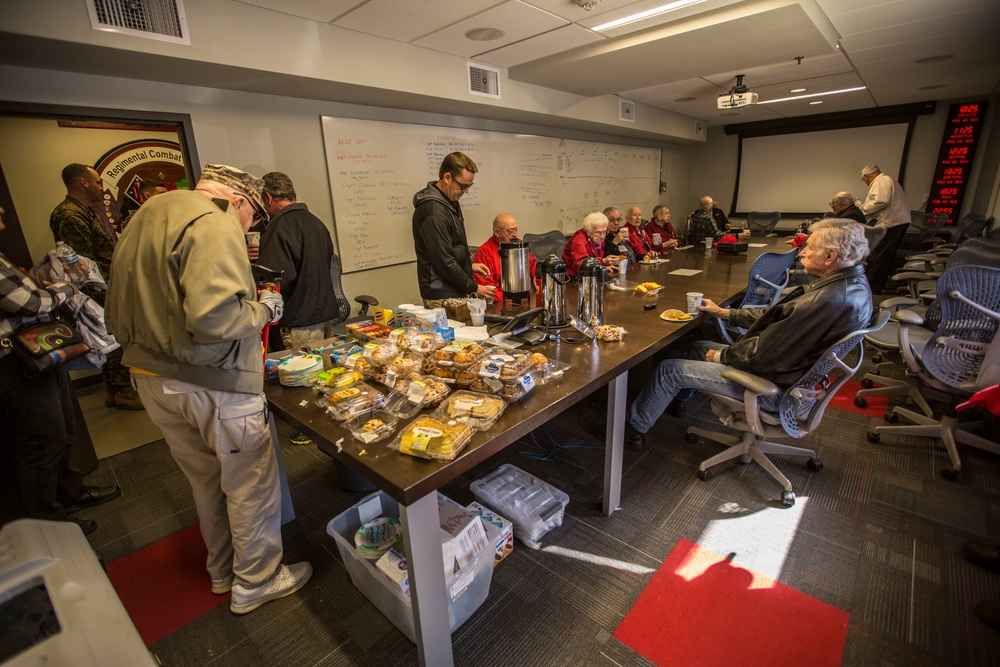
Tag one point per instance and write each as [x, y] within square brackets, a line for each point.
[589, 242]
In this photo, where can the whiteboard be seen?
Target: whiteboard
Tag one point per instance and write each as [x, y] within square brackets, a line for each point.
[799, 173]
[546, 183]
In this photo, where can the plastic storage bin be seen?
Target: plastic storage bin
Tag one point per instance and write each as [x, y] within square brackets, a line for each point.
[467, 588]
[532, 505]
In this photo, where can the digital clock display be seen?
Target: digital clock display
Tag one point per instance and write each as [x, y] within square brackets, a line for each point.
[958, 148]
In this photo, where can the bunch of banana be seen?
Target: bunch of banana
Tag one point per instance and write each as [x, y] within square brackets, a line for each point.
[643, 288]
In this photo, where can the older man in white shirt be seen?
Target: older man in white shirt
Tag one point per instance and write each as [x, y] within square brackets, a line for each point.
[886, 200]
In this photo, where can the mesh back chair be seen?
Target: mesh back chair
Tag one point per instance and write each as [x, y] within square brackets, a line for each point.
[961, 358]
[800, 412]
[343, 305]
[543, 245]
[768, 276]
[762, 223]
[923, 231]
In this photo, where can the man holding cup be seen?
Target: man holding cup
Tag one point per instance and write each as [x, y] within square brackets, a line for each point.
[781, 342]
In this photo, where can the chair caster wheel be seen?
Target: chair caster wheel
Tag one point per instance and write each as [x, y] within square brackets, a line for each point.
[877, 358]
[861, 401]
[875, 371]
[788, 498]
[814, 465]
[745, 459]
[704, 475]
[867, 383]
[951, 474]
[890, 416]
[691, 437]
[872, 436]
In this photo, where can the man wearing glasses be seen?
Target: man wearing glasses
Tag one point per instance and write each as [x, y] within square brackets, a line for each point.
[183, 304]
[843, 206]
[445, 268]
[886, 203]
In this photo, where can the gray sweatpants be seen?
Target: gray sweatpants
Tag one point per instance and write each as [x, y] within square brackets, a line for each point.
[222, 443]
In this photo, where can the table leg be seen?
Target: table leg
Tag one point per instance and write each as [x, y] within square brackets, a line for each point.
[615, 439]
[422, 538]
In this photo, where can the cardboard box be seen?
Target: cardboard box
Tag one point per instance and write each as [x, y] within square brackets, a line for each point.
[499, 529]
[463, 530]
[393, 565]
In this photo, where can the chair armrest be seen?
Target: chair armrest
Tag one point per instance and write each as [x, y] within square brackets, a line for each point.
[907, 316]
[896, 302]
[910, 275]
[756, 384]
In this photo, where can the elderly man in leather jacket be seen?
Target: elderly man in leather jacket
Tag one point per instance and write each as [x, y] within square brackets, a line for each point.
[782, 342]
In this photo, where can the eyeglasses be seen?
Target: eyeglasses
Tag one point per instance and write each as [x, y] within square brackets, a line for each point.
[614, 219]
[461, 186]
[257, 215]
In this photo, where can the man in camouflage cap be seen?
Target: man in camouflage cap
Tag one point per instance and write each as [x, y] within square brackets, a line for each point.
[75, 223]
[184, 306]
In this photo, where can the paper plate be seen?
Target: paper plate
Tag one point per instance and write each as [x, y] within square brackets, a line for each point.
[687, 317]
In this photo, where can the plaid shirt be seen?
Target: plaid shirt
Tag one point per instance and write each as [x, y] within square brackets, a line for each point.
[23, 302]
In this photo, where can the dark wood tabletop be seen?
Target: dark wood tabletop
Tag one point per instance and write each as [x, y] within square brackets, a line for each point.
[594, 363]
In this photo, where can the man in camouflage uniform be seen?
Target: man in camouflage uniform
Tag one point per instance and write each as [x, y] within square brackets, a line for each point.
[75, 223]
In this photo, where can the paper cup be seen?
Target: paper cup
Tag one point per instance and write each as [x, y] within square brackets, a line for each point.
[694, 300]
[253, 238]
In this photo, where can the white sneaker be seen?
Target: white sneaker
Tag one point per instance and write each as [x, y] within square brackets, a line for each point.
[222, 586]
[289, 579]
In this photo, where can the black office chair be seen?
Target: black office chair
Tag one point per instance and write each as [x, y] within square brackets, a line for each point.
[768, 277]
[881, 260]
[343, 305]
[543, 245]
[762, 223]
[800, 412]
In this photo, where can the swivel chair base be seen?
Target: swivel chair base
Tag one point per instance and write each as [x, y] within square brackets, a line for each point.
[748, 447]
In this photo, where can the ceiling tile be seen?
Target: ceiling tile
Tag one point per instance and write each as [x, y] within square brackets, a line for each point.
[405, 20]
[516, 19]
[323, 11]
[556, 41]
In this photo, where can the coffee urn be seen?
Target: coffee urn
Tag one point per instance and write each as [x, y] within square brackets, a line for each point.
[554, 279]
[592, 276]
[515, 271]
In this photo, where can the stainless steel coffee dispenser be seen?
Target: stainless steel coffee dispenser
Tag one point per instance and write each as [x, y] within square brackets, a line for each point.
[515, 271]
[554, 279]
[590, 307]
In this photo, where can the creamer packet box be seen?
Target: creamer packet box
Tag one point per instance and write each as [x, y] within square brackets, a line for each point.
[464, 530]
[496, 527]
[393, 565]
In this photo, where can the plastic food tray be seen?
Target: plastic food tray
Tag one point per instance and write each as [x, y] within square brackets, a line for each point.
[532, 505]
[356, 426]
[474, 351]
[354, 400]
[461, 404]
[399, 404]
[431, 438]
[621, 285]
[554, 371]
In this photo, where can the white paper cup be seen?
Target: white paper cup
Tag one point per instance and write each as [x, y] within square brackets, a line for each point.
[478, 319]
[709, 241]
[253, 238]
[694, 300]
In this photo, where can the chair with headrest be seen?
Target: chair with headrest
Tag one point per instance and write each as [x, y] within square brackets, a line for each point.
[762, 223]
[343, 305]
[543, 245]
[800, 412]
[768, 276]
[961, 358]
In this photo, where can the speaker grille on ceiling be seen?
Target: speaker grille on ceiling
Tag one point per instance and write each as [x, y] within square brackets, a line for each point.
[153, 19]
[626, 110]
[484, 81]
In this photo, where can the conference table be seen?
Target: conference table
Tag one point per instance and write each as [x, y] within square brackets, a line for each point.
[413, 482]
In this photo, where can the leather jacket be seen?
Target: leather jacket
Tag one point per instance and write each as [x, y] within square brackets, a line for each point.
[784, 341]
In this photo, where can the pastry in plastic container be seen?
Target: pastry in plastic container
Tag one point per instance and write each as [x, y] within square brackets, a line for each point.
[426, 342]
[459, 354]
[413, 394]
[508, 368]
[610, 332]
[354, 400]
[430, 438]
[479, 411]
[371, 427]
[512, 392]
[380, 353]
[341, 377]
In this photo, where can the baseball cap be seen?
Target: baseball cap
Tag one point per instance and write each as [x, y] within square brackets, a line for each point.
[238, 179]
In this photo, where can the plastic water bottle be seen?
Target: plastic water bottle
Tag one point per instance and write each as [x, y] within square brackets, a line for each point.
[74, 268]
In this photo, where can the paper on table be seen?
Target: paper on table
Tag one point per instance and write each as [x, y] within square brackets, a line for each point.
[684, 272]
[757, 245]
[474, 334]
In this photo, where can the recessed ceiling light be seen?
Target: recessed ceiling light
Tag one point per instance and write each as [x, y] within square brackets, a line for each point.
[685, 99]
[933, 86]
[802, 97]
[484, 34]
[797, 90]
[656, 11]
[934, 59]
[816, 102]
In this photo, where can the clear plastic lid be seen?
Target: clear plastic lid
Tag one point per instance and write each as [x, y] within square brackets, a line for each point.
[459, 354]
[426, 342]
[551, 371]
[354, 400]
[413, 394]
[371, 427]
[379, 353]
[431, 438]
[506, 367]
[478, 410]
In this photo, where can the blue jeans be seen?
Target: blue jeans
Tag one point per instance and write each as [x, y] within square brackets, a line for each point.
[673, 376]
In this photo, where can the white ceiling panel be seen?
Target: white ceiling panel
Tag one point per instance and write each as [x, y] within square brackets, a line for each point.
[405, 20]
[322, 11]
[559, 40]
[516, 19]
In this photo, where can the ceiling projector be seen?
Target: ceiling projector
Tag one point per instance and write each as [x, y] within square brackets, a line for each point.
[738, 96]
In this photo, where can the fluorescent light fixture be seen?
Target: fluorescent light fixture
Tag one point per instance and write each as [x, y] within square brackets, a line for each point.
[816, 102]
[669, 7]
[797, 90]
[802, 97]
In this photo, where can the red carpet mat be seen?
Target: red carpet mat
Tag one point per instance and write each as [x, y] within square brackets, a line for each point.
[700, 609]
[165, 585]
[844, 400]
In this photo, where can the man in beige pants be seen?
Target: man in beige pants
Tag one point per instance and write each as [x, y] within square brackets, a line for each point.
[189, 317]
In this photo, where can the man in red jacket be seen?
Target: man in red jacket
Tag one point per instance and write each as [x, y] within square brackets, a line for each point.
[504, 231]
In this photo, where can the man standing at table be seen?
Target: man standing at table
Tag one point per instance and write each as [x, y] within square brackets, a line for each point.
[189, 316]
[445, 268]
[297, 243]
[782, 342]
[488, 254]
[886, 200]
[843, 206]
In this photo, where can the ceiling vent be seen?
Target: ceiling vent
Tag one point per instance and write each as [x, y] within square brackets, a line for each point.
[484, 81]
[153, 19]
[626, 110]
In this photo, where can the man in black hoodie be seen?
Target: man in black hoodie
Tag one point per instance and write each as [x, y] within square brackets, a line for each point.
[444, 264]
